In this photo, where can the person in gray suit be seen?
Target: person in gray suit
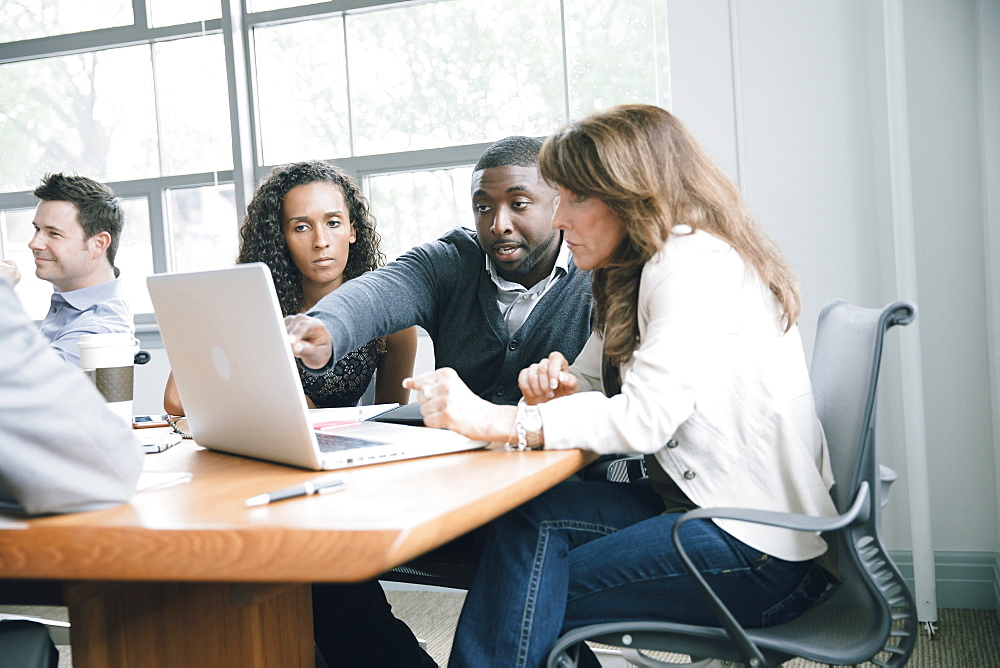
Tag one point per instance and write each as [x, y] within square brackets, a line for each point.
[61, 449]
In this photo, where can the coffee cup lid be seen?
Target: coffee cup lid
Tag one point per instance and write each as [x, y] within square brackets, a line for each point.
[107, 339]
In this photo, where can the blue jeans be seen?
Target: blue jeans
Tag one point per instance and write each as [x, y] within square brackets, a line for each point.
[592, 552]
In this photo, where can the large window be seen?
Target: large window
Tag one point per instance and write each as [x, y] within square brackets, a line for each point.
[117, 114]
[181, 114]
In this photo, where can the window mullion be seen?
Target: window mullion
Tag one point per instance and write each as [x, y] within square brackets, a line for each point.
[565, 59]
[347, 86]
[140, 14]
[160, 240]
[237, 75]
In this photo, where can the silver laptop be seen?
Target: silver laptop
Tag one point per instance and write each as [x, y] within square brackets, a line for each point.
[226, 342]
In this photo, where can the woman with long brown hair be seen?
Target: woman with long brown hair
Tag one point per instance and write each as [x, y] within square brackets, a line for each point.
[696, 363]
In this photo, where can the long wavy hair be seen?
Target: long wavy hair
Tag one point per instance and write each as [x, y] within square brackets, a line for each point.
[644, 164]
[262, 240]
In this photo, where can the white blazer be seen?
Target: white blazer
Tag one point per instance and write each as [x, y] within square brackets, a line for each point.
[716, 389]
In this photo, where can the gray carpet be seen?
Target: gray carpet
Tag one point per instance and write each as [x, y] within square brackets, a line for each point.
[965, 638]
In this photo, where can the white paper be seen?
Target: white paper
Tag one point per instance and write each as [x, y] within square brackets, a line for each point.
[349, 413]
[161, 479]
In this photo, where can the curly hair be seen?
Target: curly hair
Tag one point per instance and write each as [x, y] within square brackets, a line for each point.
[644, 164]
[262, 240]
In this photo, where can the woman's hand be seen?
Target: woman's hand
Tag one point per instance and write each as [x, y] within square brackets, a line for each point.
[548, 379]
[310, 340]
[445, 401]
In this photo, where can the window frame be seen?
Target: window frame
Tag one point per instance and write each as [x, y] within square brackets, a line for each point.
[236, 26]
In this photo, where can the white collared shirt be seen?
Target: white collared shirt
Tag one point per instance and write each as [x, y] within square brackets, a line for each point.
[515, 301]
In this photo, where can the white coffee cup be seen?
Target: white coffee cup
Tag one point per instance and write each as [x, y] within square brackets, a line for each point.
[108, 359]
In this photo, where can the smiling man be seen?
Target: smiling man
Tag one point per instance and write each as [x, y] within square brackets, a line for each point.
[78, 223]
[493, 301]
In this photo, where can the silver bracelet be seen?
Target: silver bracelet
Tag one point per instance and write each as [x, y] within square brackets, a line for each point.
[172, 421]
[527, 422]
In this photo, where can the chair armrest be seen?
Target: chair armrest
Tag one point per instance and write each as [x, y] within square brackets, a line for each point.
[886, 477]
[750, 652]
[786, 520]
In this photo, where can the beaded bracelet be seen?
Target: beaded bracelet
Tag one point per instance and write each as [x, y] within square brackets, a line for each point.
[172, 421]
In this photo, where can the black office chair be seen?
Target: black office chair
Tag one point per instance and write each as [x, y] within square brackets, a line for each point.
[871, 616]
[25, 644]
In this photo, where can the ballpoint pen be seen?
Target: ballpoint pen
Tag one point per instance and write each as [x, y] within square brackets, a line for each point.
[322, 486]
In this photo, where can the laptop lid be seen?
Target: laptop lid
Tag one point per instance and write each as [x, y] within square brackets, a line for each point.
[227, 346]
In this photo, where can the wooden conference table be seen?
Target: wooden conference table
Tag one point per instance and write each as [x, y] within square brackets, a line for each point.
[190, 576]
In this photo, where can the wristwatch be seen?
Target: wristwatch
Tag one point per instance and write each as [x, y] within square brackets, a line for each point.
[528, 425]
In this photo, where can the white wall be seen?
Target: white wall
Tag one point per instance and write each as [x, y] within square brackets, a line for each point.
[989, 123]
[791, 98]
[948, 210]
[150, 379]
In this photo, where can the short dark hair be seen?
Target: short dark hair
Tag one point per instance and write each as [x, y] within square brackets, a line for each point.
[97, 207]
[518, 151]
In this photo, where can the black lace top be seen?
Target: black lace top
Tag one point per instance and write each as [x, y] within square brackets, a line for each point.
[346, 382]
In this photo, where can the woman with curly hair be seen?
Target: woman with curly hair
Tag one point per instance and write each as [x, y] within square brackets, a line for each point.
[310, 224]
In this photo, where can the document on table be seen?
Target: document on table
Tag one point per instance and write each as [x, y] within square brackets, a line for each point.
[348, 414]
[160, 479]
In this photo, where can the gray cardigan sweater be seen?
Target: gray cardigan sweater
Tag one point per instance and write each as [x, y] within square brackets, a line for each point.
[444, 287]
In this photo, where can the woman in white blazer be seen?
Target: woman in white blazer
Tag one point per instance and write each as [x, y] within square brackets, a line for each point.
[696, 363]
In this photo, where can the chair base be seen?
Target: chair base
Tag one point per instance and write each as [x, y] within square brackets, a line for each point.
[58, 631]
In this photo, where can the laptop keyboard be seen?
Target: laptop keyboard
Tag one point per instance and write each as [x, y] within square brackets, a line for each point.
[333, 442]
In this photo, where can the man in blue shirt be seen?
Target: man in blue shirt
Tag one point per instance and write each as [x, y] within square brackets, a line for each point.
[78, 224]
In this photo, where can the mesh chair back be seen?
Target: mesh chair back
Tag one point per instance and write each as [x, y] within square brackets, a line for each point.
[873, 599]
[844, 370]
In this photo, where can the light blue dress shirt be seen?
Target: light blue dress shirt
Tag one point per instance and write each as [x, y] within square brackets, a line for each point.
[99, 309]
